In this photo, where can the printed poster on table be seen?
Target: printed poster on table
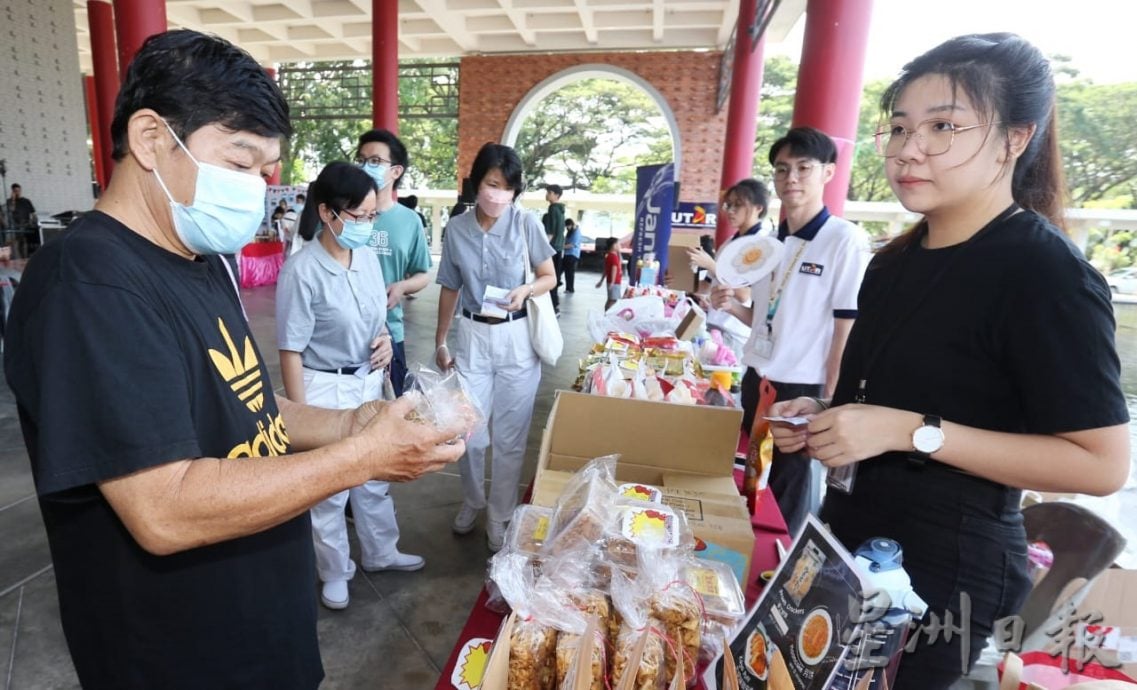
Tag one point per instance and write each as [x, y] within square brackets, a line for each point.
[796, 636]
[655, 200]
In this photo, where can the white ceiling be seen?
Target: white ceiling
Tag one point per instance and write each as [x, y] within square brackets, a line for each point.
[275, 31]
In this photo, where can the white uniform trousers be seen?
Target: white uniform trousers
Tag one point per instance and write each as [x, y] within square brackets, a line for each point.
[502, 371]
[371, 504]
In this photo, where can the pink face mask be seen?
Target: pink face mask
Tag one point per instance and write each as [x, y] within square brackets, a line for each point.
[493, 202]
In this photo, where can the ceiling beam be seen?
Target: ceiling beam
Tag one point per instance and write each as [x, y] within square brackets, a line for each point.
[450, 22]
[657, 21]
[519, 23]
[587, 21]
[729, 17]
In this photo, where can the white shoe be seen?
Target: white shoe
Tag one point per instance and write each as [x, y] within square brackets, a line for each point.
[400, 561]
[465, 519]
[495, 535]
[334, 595]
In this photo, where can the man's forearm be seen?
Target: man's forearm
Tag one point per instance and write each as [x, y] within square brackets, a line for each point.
[313, 427]
[190, 503]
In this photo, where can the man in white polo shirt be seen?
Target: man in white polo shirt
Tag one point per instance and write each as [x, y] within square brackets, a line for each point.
[801, 314]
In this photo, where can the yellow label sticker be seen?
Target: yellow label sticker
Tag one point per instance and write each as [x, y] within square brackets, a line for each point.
[704, 580]
[541, 531]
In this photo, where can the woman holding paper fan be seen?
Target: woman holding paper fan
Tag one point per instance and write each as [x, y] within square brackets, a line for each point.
[331, 311]
[982, 361]
[483, 275]
[745, 205]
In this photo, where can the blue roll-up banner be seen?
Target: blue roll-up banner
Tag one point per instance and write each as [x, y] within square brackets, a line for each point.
[655, 199]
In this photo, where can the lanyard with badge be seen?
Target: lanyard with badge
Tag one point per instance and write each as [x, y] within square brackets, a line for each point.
[841, 478]
[764, 344]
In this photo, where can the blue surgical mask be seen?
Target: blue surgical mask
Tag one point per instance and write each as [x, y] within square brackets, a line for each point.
[228, 207]
[355, 233]
[378, 173]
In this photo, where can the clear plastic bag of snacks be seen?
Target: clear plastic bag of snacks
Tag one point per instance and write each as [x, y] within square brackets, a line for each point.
[583, 507]
[676, 605]
[635, 525]
[639, 641]
[528, 530]
[445, 400]
[533, 638]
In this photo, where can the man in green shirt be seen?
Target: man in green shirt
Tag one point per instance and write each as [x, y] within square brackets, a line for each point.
[555, 230]
[397, 237]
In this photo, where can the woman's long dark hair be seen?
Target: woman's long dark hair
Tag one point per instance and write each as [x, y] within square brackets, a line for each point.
[1008, 80]
[339, 186]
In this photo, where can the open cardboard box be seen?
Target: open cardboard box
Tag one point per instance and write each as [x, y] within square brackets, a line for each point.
[686, 451]
[678, 265]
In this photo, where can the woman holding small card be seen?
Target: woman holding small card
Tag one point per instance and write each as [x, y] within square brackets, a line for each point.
[483, 277]
[982, 361]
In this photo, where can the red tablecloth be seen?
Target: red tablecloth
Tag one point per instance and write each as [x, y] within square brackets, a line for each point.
[260, 263]
[768, 527]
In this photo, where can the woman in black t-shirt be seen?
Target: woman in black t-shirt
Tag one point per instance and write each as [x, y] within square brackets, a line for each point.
[982, 361]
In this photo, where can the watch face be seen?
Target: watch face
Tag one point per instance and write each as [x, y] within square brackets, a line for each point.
[928, 439]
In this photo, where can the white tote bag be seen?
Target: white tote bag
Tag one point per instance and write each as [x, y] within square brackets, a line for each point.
[544, 330]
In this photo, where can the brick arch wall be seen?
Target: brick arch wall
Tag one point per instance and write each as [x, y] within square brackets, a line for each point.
[491, 87]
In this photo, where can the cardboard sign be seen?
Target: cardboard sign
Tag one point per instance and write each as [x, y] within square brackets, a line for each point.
[795, 636]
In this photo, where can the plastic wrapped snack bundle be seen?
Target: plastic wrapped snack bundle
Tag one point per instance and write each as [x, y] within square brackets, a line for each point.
[676, 605]
[583, 507]
[723, 604]
[528, 530]
[533, 640]
[639, 643]
[444, 402]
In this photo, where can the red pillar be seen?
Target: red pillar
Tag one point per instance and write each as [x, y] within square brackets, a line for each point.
[104, 59]
[135, 21]
[275, 178]
[93, 122]
[385, 64]
[742, 116]
[829, 81]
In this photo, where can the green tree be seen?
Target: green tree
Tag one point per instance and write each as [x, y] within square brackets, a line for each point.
[1095, 126]
[775, 110]
[591, 135]
[333, 92]
[867, 181]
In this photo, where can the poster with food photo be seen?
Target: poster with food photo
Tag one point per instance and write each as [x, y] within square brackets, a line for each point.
[795, 636]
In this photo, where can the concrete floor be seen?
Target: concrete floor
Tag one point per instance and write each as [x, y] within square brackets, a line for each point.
[400, 627]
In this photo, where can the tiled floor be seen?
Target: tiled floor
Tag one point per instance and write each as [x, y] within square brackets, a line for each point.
[399, 628]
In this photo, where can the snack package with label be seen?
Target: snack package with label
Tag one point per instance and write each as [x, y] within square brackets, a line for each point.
[637, 527]
[445, 401]
[528, 529]
[532, 642]
[723, 604]
[582, 511]
[644, 657]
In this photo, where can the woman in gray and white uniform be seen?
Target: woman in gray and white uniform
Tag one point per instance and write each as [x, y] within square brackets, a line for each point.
[331, 311]
[488, 248]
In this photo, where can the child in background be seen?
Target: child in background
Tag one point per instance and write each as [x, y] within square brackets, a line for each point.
[613, 272]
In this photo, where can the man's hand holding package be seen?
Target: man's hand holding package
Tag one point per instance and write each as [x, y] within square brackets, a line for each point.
[397, 449]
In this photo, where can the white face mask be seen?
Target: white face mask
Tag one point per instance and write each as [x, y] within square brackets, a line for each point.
[227, 208]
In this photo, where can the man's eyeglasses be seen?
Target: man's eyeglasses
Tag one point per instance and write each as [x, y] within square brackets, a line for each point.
[373, 160]
[933, 137]
[369, 217]
[803, 170]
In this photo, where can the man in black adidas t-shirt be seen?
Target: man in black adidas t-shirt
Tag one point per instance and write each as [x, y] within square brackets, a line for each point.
[179, 532]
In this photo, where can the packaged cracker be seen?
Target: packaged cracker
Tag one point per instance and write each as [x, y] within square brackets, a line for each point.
[676, 605]
[583, 508]
[723, 604]
[528, 529]
[637, 656]
[532, 638]
[445, 401]
[636, 525]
